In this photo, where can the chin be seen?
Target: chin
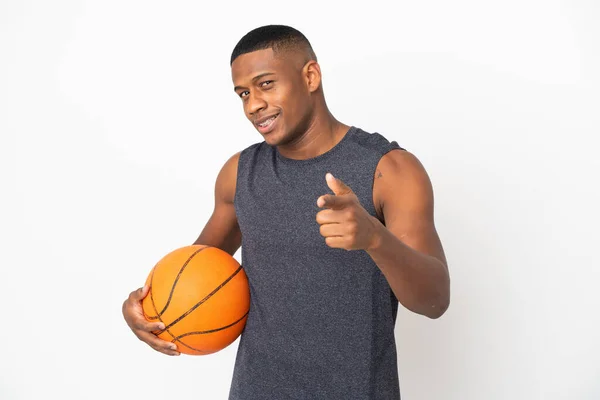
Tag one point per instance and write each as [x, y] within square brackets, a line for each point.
[272, 140]
[275, 138]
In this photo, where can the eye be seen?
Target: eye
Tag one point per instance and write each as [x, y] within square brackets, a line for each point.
[265, 83]
[243, 94]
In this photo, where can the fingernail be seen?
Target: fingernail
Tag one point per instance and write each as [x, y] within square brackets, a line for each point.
[329, 175]
[161, 327]
[173, 346]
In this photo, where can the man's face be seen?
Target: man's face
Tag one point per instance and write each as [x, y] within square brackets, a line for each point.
[275, 96]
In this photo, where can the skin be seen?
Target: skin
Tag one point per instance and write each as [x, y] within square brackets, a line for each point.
[402, 240]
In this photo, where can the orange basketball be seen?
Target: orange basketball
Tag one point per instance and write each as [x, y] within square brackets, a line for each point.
[202, 296]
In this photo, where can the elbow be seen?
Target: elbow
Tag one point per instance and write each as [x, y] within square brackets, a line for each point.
[437, 310]
[441, 303]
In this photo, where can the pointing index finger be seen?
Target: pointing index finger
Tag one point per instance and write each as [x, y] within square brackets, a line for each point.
[331, 201]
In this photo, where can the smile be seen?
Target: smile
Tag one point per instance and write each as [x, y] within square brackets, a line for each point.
[267, 125]
[268, 122]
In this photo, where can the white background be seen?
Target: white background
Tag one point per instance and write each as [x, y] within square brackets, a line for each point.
[115, 117]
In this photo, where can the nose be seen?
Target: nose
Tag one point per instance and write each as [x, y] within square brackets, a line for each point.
[255, 104]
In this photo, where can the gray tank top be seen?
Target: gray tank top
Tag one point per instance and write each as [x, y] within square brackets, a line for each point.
[321, 320]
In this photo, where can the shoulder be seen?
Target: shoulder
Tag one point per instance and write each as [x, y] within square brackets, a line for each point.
[232, 162]
[226, 182]
[402, 181]
[227, 177]
[401, 163]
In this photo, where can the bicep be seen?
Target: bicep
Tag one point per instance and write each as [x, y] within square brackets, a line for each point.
[222, 229]
[407, 202]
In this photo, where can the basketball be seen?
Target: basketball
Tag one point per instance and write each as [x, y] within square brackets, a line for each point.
[201, 294]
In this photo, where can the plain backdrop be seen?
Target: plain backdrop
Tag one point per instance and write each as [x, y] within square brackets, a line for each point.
[115, 117]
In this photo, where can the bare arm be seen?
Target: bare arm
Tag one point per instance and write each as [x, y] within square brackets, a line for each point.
[222, 229]
[408, 250]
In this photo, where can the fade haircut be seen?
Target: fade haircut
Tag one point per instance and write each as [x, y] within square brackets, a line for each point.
[280, 38]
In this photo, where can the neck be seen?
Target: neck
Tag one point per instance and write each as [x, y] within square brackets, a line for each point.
[321, 135]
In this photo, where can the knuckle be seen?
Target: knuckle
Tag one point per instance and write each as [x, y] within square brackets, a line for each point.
[146, 340]
[127, 308]
[154, 346]
[350, 214]
[141, 325]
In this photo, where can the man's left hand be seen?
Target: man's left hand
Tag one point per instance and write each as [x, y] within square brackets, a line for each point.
[345, 224]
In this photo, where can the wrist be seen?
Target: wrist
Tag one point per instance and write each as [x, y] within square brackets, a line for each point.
[376, 236]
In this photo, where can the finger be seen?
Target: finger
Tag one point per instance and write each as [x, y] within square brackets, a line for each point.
[331, 230]
[336, 185]
[139, 294]
[134, 314]
[144, 325]
[333, 202]
[166, 350]
[336, 242]
[328, 216]
[158, 344]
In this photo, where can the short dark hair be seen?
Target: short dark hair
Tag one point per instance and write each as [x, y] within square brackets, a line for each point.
[277, 37]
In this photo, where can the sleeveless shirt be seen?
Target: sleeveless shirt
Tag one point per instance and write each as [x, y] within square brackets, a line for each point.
[321, 320]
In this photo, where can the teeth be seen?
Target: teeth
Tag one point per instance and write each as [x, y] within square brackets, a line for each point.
[267, 122]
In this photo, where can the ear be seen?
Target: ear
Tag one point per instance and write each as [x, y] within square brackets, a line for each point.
[312, 74]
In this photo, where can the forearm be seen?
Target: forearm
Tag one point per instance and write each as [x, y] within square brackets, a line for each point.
[420, 282]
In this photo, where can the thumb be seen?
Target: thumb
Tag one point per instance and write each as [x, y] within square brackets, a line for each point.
[142, 292]
[336, 185]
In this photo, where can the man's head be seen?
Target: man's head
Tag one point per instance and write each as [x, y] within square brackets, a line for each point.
[275, 73]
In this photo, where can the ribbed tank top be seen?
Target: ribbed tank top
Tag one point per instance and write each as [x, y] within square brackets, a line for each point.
[321, 320]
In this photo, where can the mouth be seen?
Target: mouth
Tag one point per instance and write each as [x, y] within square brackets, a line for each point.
[266, 125]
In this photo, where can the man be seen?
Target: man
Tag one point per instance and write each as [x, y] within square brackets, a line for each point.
[336, 226]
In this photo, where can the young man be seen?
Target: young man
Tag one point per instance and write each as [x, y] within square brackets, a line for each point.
[336, 226]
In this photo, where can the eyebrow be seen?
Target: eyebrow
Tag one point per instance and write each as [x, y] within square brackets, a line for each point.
[257, 77]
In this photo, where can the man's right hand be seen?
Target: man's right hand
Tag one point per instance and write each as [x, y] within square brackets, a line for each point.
[134, 316]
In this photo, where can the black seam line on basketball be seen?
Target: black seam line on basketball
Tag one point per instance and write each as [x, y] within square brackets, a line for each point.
[154, 307]
[190, 347]
[177, 279]
[178, 338]
[152, 299]
[156, 311]
[174, 339]
[166, 329]
[184, 344]
[208, 296]
[211, 330]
